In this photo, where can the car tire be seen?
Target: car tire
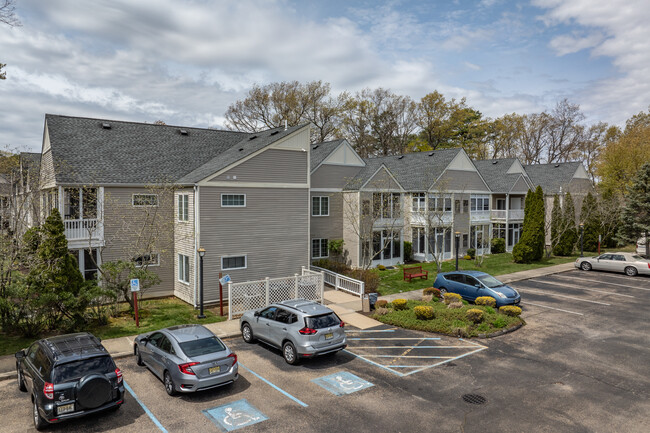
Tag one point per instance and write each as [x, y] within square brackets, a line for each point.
[21, 380]
[585, 266]
[442, 292]
[631, 271]
[289, 353]
[138, 356]
[169, 384]
[247, 333]
[39, 422]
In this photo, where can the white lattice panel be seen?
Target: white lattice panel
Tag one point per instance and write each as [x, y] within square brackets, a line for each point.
[309, 287]
[246, 296]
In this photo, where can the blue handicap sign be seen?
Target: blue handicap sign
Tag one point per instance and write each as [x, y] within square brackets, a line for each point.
[235, 415]
[342, 383]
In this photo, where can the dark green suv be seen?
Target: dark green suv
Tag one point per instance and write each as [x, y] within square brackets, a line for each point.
[68, 376]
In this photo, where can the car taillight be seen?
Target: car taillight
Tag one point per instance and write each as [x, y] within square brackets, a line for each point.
[342, 324]
[307, 331]
[118, 373]
[48, 390]
[234, 358]
[187, 368]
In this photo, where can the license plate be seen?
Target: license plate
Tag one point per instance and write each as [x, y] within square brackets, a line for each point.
[65, 408]
[213, 370]
[328, 336]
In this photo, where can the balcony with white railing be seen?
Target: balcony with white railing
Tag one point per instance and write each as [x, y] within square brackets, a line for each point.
[483, 215]
[513, 215]
[83, 229]
[433, 218]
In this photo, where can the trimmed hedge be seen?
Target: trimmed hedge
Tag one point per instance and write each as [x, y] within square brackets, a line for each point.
[486, 300]
[424, 312]
[498, 246]
[452, 297]
[474, 315]
[400, 304]
[510, 310]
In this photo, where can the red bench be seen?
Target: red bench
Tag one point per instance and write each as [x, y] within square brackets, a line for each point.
[415, 272]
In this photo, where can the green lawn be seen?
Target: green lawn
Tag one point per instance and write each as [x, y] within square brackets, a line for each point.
[392, 281]
[154, 314]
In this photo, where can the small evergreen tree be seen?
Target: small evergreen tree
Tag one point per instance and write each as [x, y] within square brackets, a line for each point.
[523, 252]
[556, 224]
[635, 218]
[590, 218]
[538, 234]
[569, 233]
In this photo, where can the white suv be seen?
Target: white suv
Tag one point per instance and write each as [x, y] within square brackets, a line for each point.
[300, 328]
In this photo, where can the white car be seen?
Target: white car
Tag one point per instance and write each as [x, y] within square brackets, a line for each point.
[640, 247]
[630, 264]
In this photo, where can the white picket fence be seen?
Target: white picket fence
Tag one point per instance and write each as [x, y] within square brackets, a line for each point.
[251, 295]
[341, 282]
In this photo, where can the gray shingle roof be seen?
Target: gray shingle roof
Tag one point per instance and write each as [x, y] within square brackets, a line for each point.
[414, 171]
[494, 173]
[320, 151]
[139, 153]
[552, 176]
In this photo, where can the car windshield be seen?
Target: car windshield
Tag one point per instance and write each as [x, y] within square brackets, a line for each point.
[203, 346]
[489, 281]
[635, 257]
[323, 321]
[77, 369]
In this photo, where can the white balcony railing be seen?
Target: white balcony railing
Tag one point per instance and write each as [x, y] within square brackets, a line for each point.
[83, 229]
[433, 218]
[515, 214]
[483, 215]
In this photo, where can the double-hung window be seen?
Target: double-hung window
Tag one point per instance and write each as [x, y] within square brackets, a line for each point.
[319, 248]
[320, 206]
[183, 269]
[418, 201]
[183, 207]
[233, 200]
[150, 259]
[480, 203]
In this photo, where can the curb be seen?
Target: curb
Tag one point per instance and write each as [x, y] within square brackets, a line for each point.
[502, 332]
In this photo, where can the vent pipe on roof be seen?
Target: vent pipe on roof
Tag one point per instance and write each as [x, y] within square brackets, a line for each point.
[106, 125]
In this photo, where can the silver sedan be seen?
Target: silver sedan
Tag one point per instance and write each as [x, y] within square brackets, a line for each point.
[630, 264]
[187, 358]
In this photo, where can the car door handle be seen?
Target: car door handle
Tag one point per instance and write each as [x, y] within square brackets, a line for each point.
[284, 329]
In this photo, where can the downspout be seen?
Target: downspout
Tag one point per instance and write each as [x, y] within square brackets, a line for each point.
[197, 233]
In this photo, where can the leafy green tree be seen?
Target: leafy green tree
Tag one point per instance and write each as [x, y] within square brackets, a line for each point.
[569, 233]
[590, 218]
[635, 218]
[117, 277]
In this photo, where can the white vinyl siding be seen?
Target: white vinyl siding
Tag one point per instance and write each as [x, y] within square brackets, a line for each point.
[233, 200]
[183, 269]
[233, 262]
[319, 248]
[320, 206]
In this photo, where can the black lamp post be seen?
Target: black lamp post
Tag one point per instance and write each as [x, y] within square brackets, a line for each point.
[457, 247]
[582, 231]
[201, 252]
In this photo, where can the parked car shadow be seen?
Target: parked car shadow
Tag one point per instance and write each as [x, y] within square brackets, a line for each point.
[316, 363]
[239, 386]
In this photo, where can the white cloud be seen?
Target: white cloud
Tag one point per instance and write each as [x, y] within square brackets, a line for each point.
[568, 44]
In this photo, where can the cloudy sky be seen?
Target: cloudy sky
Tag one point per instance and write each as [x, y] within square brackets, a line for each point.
[186, 61]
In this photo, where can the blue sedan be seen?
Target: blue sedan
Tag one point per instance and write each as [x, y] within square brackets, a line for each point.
[472, 284]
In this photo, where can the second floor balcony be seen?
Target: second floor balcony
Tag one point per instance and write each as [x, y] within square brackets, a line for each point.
[90, 229]
[512, 215]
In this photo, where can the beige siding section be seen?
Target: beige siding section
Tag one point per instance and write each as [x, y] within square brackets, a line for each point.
[272, 231]
[458, 180]
[382, 181]
[333, 176]
[351, 213]
[129, 231]
[47, 171]
[272, 165]
[328, 227]
[461, 219]
[184, 244]
[521, 186]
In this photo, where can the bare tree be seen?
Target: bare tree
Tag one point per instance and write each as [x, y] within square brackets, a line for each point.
[8, 14]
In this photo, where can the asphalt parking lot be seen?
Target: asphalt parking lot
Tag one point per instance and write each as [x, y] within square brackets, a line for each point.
[580, 364]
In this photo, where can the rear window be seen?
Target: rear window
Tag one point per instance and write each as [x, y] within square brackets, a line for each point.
[322, 321]
[77, 369]
[203, 346]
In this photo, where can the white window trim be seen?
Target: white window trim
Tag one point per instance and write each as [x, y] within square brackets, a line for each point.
[327, 250]
[143, 205]
[181, 260]
[320, 205]
[157, 263]
[245, 256]
[185, 197]
[230, 205]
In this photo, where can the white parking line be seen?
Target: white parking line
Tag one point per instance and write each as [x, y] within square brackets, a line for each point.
[552, 308]
[609, 284]
[535, 292]
[410, 347]
[613, 275]
[394, 338]
[572, 286]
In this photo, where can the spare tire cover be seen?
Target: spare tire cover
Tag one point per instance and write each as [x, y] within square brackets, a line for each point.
[93, 391]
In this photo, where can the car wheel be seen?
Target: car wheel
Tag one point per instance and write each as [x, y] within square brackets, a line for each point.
[442, 292]
[631, 271]
[289, 353]
[21, 380]
[39, 422]
[247, 333]
[138, 356]
[585, 266]
[169, 384]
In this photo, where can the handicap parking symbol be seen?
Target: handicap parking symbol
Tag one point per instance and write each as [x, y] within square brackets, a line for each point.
[342, 383]
[235, 415]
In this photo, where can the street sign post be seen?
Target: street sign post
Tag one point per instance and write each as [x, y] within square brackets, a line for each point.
[222, 281]
[135, 288]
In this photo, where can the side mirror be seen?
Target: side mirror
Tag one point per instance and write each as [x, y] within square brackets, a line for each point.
[144, 340]
[20, 354]
[478, 286]
[256, 314]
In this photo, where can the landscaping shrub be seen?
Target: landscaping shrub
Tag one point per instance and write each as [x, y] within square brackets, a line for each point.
[381, 303]
[460, 331]
[455, 305]
[500, 322]
[381, 311]
[381, 267]
[452, 297]
[431, 291]
[338, 267]
[475, 315]
[408, 251]
[399, 304]
[522, 252]
[466, 257]
[471, 252]
[427, 298]
[368, 276]
[510, 310]
[489, 310]
[486, 300]
[498, 246]
[424, 312]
